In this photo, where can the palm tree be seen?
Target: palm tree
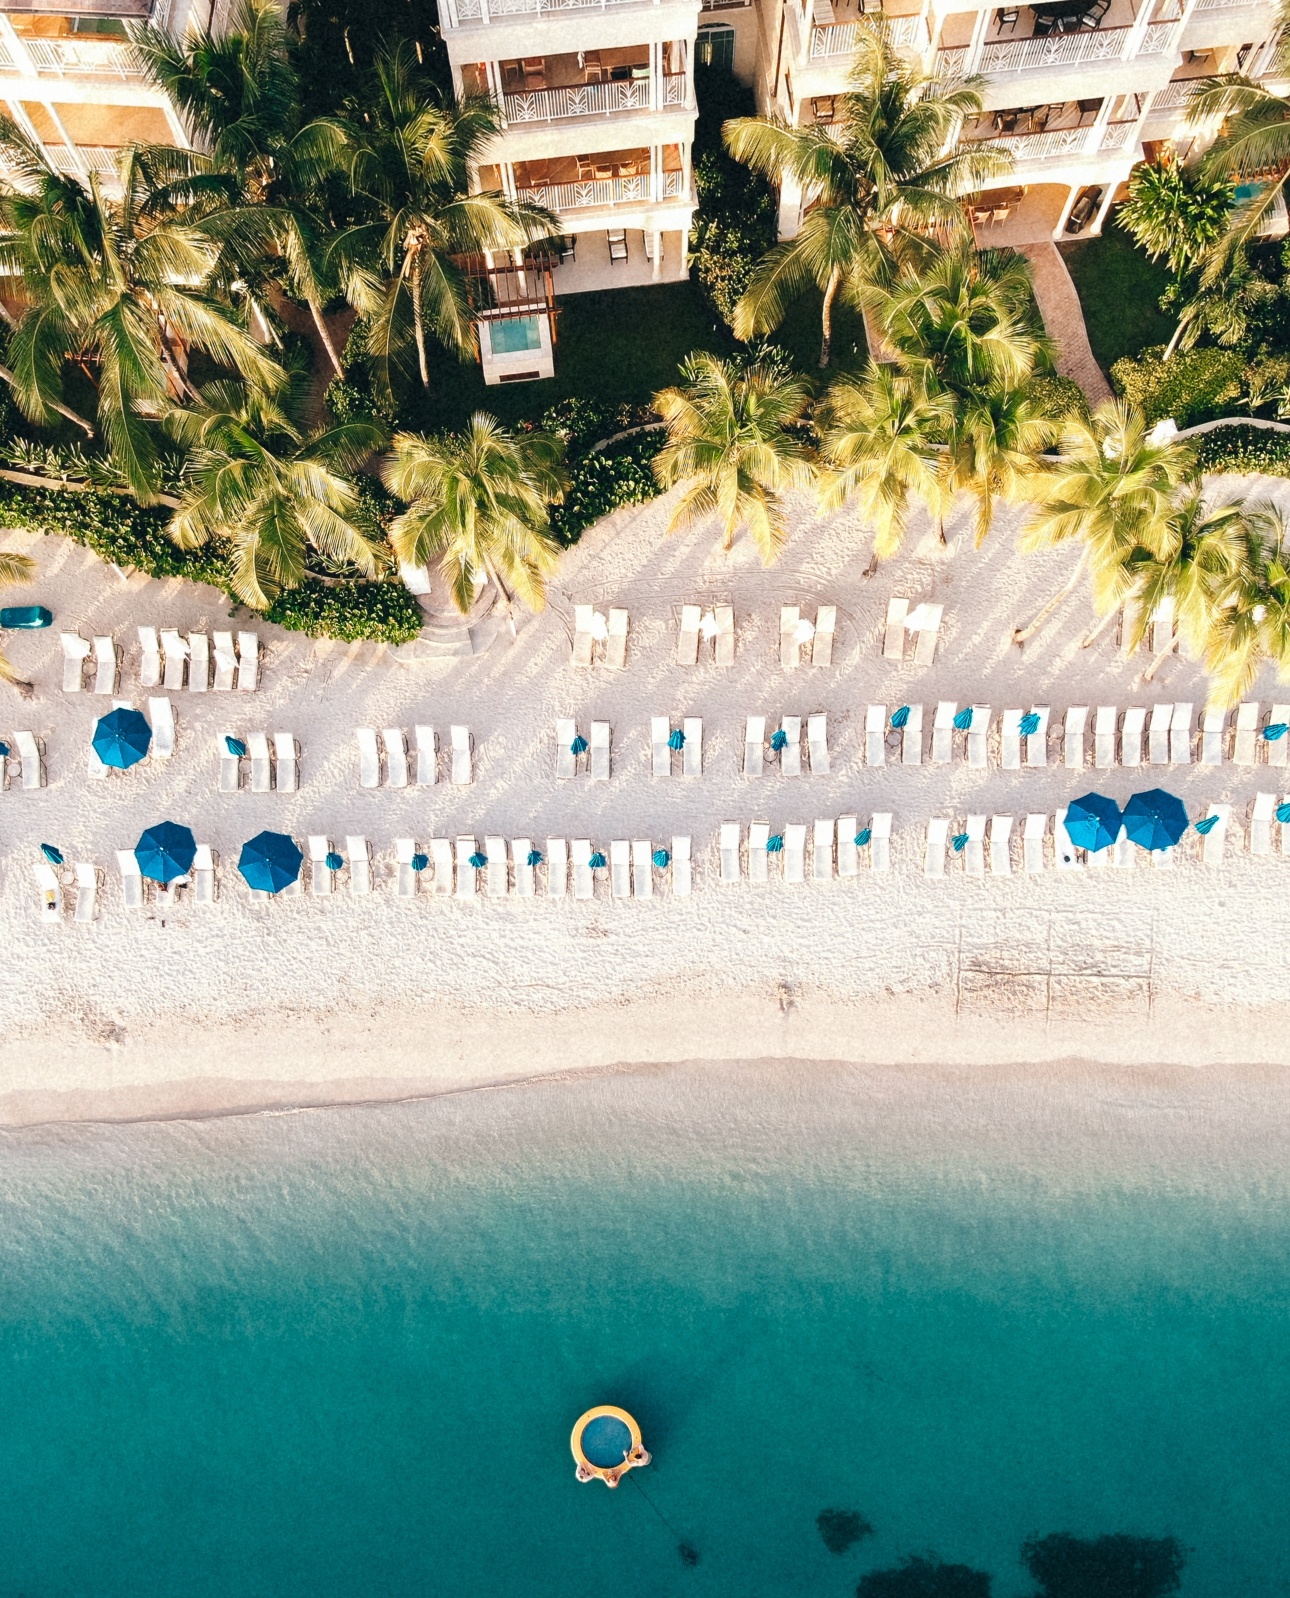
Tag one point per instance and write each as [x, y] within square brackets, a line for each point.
[110, 288]
[1112, 490]
[15, 568]
[1253, 143]
[993, 451]
[478, 503]
[254, 480]
[408, 158]
[1177, 213]
[1251, 624]
[882, 436]
[887, 172]
[730, 438]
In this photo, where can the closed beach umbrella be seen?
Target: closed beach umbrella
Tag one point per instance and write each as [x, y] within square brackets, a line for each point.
[53, 855]
[676, 740]
[270, 861]
[165, 852]
[1093, 821]
[1155, 819]
[121, 738]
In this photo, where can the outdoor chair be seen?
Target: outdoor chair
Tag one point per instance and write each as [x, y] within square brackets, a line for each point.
[557, 868]
[938, 832]
[76, 651]
[1073, 736]
[525, 874]
[729, 851]
[162, 716]
[427, 756]
[149, 658]
[754, 746]
[87, 891]
[396, 757]
[758, 859]
[405, 876]
[660, 731]
[618, 240]
[175, 651]
[620, 868]
[441, 882]
[286, 760]
[790, 756]
[848, 856]
[199, 663]
[880, 841]
[106, 666]
[795, 853]
[642, 869]
[826, 622]
[692, 749]
[1000, 846]
[682, 872]
[822, 851]
[496, 877]
[464, 849]
[875, 735]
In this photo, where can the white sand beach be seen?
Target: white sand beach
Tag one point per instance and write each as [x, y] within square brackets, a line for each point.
[242, 1004]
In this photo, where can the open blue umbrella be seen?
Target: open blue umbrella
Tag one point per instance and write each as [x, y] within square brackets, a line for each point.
[270, 861]
[1093, 821]
[165, 851]
[1155, 819]
[121, 738]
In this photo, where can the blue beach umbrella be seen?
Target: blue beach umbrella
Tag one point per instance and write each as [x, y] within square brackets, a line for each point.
[1283, 814]
[1275, 730]
[165, 851]
[959, 842]
[676, 740]
[963, 721]
[1029, 725]
[270, 861]
[597, 861]
[334, 861]
[420, 862]
[779, 739]
[1155, 819]
[1093, 821]
[578, 746]
[235, 746]
[54, 856]
[479, 861]
[863, 837]
[534, 857]
[662, 859]
[775, 843]
[1207, 826]
[121, 738]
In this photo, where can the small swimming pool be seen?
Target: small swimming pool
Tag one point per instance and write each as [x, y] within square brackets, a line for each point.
[1247, 191]
[605, 1441]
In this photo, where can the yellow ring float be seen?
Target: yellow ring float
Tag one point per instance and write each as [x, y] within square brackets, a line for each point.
[606, 1444]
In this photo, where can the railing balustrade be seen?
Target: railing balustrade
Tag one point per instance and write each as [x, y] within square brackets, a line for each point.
[79, 58]
[1055, 49]
[602, 191]
[458, 12]
[839, 38]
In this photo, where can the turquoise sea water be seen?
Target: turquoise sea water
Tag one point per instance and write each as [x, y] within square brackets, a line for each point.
[340, 1353]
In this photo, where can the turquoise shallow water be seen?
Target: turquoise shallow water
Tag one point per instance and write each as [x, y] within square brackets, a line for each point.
[340, 1353]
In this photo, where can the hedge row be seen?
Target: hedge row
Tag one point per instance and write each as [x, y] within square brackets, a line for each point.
[1191, 386]
[380, 613]
[605, 482]
[1242, 448]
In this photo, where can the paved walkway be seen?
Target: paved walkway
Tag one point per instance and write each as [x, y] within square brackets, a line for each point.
[1064, 319]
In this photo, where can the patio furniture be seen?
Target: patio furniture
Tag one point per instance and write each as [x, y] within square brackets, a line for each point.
[617, 245]
[1008, 18]
[1082, 212]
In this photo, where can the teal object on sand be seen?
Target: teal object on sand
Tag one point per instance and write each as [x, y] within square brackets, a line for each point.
[662, 859]
[235, 746]
[959, 842]
[774, 843]
[1029, 725]
[578, 746]
[533, 858]
[779, 739]
[863, 837]
[964, 719]
[420, 862]
[333, 861]
[597, 861]
[25, 618]
[676, 740]
[1207, 825]
[900, 718]
[479, 861]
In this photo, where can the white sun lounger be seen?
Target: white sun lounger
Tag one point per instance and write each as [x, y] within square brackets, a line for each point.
[286, 760]
[1245, 740]
[826, 623]
[692, 750]
[321, 876]
[795, 852]
[225, 662]
[1123, 853]
[790, 646]
[441, 883]
[199, 663]
[943, 732]
[1010, 740]
[230, 769]
[1214, 843]
[76, 651]
[566, 762]
[427, 756]
[1073, 736]
[396, 757]
[1261, 818]
[926, 636]
[687, 643]
[1162, 716]
[467, 883]
[557, 868]
[660, 758]
[978, 738]
[642, 868]
[754, 745]
[1037, 741]
[51, 891]
[822, 850]
[584, 879]
[790, 756]
[893, 637]
[620, 868]
[817, 743]
[600, 751]
[1180, 728]
[248, 662]
[405, 876]
[974, 848]
[1104, 737]
[175, 649]
[149, 658]
[911, 738]
[584, 637]
[758, 860]
[875, 735]
[1065, 855]
[87, 891]
[880, 841]
[369, 758]
[30, 759]
[1001, 846]
[938, 832]
[462, 766]
[496, 878]
[257, 746]
[1032, 839]
[358, 854]
[1278, 749]
[848, 855]
[616, 645]
[162, 716]
[525, 874]
[730, 851]
[107, 665]
[131, 879]
[682, 868]
[1211, 738]
[724, 643]
[1135, 719]
[203, 875]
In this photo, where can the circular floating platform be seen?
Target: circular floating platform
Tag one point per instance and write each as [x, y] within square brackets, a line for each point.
[606, 1443]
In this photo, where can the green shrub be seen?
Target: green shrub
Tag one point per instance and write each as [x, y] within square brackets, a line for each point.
[1191, 386]
[350, 399]
[1243, 448]
[1058, 397]
[604, 482]
[382, 613]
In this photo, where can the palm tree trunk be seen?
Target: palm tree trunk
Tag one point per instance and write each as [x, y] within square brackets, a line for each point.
[8, 674]
[1157, 660]
[324, 333]
[507, 598]
[1023, 635]
[830, 293]
[1091, 638]
[7, 376]
[418, 323]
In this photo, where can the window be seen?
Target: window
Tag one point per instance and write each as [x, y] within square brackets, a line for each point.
[715, 46]
[515, 335]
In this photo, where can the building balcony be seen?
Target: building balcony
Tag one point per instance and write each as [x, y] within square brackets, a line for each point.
[586, 83]
[602, 182]
[480, 13]
[831, 39]
[1069, 33]
[595, 100]
[1071, 131]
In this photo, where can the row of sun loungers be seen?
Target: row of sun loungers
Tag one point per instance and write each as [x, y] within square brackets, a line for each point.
[161, 716]
[595, 634]
[383, 758]
[268, 769]
[988, 840]
[168, 660]
[921, 623]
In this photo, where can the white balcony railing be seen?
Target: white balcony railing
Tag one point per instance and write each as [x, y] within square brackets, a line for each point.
[1054, 50]
[105, 160]
[592, 99]
[468, 12]
[80, 58]
[1223, 5]
[603, 191]
[839, 38]
[1057, 142]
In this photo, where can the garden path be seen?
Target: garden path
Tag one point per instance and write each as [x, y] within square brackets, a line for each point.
[1064, 319]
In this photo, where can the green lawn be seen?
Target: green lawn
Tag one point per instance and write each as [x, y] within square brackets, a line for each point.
[620, 345]
[1120, 291]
